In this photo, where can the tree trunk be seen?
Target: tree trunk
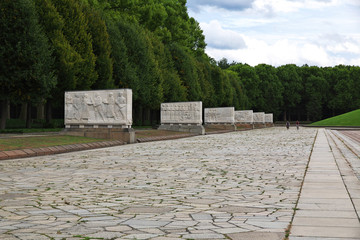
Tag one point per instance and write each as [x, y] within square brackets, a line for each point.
[23, 111]
[8, 110]
[48, 112]
[285, 116]
[146, 116]
[28, 116]
[4, 114]
[40, 111]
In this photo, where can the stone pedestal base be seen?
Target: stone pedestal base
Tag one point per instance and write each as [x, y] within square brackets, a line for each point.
[242, 126]
[269, 124]
[259, 125]
[123, 134]
[229, 127]
[196, 129]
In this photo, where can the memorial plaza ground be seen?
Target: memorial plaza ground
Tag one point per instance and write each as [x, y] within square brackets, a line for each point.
[268, 183]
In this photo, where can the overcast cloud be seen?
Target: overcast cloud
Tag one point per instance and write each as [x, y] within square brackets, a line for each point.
[278, 32]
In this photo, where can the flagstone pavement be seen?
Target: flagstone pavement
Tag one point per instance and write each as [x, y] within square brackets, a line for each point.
[238, 185]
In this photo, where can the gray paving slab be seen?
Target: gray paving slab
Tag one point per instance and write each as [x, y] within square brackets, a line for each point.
[226, 186]
[325, 208]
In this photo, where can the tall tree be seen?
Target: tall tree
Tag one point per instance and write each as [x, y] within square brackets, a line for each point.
[101, 49]
[343, 89]
[76, 31]
[251, 85]
[292, 83]
[184, 63]
[26, 63]
[272, 89]
[315, 91]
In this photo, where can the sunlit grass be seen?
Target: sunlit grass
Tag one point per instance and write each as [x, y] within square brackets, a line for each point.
[346, 119]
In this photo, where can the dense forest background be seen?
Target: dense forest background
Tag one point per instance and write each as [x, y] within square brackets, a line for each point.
[48, 47]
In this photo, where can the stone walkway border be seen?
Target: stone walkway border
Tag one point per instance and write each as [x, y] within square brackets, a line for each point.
[33, 152]
[23, 153]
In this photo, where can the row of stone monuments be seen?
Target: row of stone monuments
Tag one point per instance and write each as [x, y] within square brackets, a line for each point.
[187, 117]
[108, 114]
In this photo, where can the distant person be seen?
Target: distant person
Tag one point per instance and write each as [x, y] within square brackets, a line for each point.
[297, 125]
[287, 125]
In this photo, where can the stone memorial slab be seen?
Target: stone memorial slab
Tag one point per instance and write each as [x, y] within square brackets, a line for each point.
[224, 115]
[182, 117]
[259, 117]
[111, 108]
[244, 116]
[181, 113]
[268, 118]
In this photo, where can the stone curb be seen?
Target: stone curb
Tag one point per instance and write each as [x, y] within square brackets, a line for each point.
[33, 152]
[160, 138]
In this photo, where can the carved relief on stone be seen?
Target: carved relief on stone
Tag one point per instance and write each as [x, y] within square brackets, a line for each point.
[181, 113]
[244, 116]
[259, 117]
[104, 107]
[220, 115]
[269, 118]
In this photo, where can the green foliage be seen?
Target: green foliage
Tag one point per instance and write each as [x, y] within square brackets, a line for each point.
[291, 80]
[185, 65]
[251, 85]
[271, 89]
[76, 32]
[315, 86]
[26, 62]
[348, 119]
[157, 50]
[101, 49]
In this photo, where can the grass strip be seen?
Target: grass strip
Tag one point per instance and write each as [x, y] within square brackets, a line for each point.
[42, 141]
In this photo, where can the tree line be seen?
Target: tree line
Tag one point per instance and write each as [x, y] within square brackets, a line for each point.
[307, 93]
[153, 47]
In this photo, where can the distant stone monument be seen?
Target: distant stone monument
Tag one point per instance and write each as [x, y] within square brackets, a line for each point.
[269, 122]
[222, 118]
[182, 117]
[100, 114]
[259, 119]
[244, 119]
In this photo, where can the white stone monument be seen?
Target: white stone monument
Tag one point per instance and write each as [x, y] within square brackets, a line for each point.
[259, 117]
[110, 108]
[244, 117]
[269, 122]
[103, 114]
[223, 115]
[268, 118]
[182, 117]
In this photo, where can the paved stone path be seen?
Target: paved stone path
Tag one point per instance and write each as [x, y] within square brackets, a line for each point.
[239, 185]
[325, 208]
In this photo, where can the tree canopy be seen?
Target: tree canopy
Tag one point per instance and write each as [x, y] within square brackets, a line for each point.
[48, 47]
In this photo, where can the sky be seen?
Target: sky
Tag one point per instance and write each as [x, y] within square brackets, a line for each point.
[278, 32]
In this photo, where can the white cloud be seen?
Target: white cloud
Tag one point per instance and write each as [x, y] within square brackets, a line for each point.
[277, 32]
[270, 7]
[217, 37]
[281, 52]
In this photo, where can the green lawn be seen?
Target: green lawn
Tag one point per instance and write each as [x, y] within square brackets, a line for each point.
[42, 141]
[346, 119]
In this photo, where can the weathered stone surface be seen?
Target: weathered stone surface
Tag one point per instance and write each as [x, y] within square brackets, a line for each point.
[244, 116]
[269, 118]
[220, 115]
[181, 113]
[98, 108]
[204, 187]
[259, 117]
[256, 235]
